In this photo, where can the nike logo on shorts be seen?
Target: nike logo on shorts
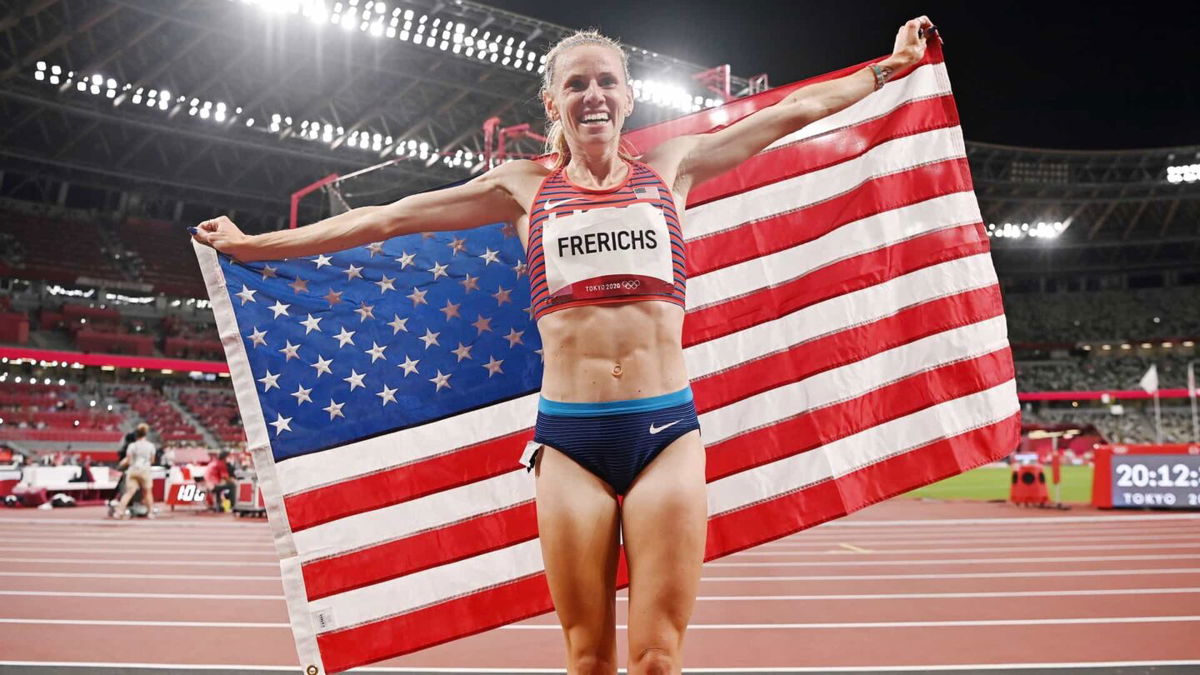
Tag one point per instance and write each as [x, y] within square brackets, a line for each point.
[655, 430]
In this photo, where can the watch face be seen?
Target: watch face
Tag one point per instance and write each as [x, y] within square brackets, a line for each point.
[1156, 481]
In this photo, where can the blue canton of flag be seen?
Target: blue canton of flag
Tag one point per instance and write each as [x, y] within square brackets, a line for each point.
[353, 344]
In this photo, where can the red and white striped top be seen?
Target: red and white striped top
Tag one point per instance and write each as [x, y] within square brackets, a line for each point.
[604, 246]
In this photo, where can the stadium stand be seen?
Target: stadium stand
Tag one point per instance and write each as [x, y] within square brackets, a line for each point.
[1100, 372]
[165, 254]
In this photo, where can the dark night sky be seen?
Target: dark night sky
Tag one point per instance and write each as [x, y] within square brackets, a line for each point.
[1089, 75]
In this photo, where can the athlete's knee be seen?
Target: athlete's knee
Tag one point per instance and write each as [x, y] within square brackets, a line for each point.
[656, 661]
[591, 662]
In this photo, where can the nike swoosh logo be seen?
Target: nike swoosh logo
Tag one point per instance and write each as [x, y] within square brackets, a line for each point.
[550, 205]
[655, 430]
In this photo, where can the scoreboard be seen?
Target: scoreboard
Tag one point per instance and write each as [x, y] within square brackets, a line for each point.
[1147, 476]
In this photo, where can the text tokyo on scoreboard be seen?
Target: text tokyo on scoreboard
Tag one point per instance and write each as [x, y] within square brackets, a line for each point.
[1171, 481]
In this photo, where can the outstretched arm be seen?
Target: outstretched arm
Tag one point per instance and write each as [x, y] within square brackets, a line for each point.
[485, 199]
[704, 156]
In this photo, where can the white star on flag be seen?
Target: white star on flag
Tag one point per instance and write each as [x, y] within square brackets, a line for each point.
[365, 312]
[376, 352]
[281, 424]
[493, 366]
[450, 310]
[301, 394]
[502, 295]
[462, 352]
[353, 272]
[334, 409]
[482, 324]
[457, 245]
[489, 257]
[439, 270]
[310, 324]
[398, 324]
[355, 380]
[257, 337]
[279, 309]
[298, 286]
[247, 295]
[290, 351]
[514, 337]
[441, 380]
[409, 366]
[430, 338]
[269, 381]
[322, 365]
[417, 297]
[386, 284]
[406, 259]
[345, 337]
[387, 395]
[322, 260]
[268, 272]
[375, 247]
[470, 283]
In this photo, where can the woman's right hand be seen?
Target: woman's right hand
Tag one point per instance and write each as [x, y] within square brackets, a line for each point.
[222, 234]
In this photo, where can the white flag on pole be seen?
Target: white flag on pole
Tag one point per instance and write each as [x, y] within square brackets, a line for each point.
[1150, 379]
[1192, 379]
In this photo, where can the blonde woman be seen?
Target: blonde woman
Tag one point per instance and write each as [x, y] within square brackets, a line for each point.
[606, 258]
[138, 459]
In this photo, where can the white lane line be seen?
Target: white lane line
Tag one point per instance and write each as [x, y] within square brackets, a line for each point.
[701, 626]
[99, 575]
[877, 539]
[964, 561]
[702, 598]
[231, 668]
[147, 596]
[984, 549]
[971, 575]
[141, 561]
[903, 624]
[1045, 520]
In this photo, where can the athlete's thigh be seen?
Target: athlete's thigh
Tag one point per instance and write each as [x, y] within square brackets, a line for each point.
[578, 524]
[665, 522]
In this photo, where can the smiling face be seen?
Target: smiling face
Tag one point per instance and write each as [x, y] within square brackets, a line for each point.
[589, 95]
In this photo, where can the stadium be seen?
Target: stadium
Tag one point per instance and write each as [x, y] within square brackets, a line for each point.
[1071, 549]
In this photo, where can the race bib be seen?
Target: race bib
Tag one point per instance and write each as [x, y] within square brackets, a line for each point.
[608, 252]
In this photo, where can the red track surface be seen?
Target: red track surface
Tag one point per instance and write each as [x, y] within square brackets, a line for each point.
[904, 583]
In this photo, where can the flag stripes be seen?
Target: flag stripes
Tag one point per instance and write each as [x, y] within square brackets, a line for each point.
[845, 339]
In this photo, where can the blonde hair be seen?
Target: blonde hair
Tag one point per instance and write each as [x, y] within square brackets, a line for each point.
[142, 430]
[556, 139]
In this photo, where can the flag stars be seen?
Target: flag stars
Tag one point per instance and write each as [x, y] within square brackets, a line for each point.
[417, 297]
[441, 380]
[322, 366]
[409, 366]
[310, 324]
[323, 260]
[489, 256]
[258, 337]
[269, 272]
[514, 337]
[270, 381]
[334, 409]
[376, 352]
[290, 351]
[430, 338]
[365, 312]
[457, 245]
[247, 295]
[502, 295]
[482, 324]
[519, 268]
[345, 337]
[398, 324]
[375, 247]
[450, 310]
[387, 395]
[302, 395]
[333, 297]
[355, 380]
[438, 270]
[281, 424]
[462, 352]
[279, 309]
[386, 284]
[353, 272]
[406, 259]
[470, 284]
[299, 286]
[493, 366]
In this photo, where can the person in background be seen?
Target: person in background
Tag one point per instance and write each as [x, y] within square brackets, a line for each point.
[219, 480]
[138, 457]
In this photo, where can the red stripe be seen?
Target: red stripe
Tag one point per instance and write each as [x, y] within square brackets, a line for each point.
[816, 504]
[851, 274]
[433, 625]
[810, 430]
[797, 226]
[440, 546]
[827, 149]
[845, 346]
[400, 484]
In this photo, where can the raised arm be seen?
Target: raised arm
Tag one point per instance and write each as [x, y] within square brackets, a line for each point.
[701, 157]
[482, 200]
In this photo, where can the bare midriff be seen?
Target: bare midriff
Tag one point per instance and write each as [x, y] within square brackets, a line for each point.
[613, 352]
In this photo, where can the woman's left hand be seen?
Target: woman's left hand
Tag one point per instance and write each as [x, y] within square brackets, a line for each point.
[910, 42]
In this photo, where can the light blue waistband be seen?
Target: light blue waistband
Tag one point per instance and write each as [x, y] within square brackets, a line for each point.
[633, 405]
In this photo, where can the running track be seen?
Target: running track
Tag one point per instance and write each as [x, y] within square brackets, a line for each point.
[904, 585]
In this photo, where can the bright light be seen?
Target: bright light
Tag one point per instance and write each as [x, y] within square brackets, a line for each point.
[1038, 230]
[1189, 173]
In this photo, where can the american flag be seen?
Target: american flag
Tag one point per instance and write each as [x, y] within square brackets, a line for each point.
[844, 336]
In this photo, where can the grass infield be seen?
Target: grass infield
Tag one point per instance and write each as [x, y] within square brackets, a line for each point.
[990, 483]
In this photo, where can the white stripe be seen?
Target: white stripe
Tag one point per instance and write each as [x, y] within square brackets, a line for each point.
[437, 584]
[145, 596]
[926, 562]
[848, 454]
[408, 445]
[986, 549]
[878, 543]
[1052, 593]
[903, 624]
[856, 238]
[839, 313]
[400, 520]
[889, 157]
[854, 379]
[963, 575]
[927, 81]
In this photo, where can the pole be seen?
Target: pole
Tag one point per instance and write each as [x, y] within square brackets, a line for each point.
[1056, 469]
[1191, 382]
[1157, 420]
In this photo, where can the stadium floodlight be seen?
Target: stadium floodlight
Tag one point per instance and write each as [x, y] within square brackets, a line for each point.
[1189, 173]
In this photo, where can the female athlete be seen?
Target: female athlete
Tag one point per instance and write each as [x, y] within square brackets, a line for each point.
[606, 259]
